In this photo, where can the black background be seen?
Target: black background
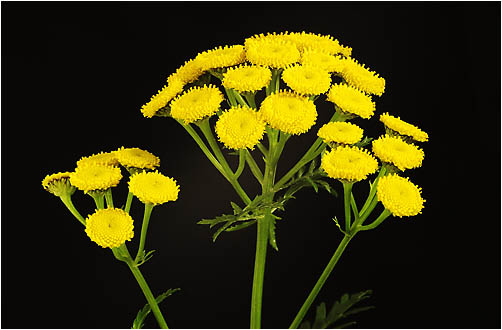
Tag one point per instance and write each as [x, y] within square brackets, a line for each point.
[74, 76]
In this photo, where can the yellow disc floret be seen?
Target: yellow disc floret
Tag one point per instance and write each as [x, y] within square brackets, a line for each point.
[359, 76]
[58, 184]
[393, 150]
[322, 60]
[221, 57]
[95, 177]
[271, 52]
[349, 164]
[187, 73]
[351, 100]
[400, 196]
[403, 128]
[196, 103]
[307, 80]
[109, 228]
[289, 112]
[160, 100]
[153, 187]
[340, 132]
[137, 158]
[102, 158]
[321, 43]
[240, 127]
[247, 78]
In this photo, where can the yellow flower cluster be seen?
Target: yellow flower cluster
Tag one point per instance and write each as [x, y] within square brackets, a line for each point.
[221, 57]
[272, 52]
[187, 73]
[403, 128]
[240, 128]
[393, 150]
[92, 177]
[109, 228]
[351, 100]
[340, 132]
[398, 195]
[162, 98]
[153, 187]
[360, 77]
[307, 80]
[136, 158]
[326, 62]
[196, 103]
[247, 78]
[102, 158]
[349, 164]
[322, 43]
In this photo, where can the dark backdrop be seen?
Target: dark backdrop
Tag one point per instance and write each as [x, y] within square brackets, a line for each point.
[74, 76]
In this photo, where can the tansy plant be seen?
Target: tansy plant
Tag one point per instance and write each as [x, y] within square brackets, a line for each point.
[250, 100]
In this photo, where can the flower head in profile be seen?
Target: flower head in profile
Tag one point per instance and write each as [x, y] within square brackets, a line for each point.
[322, 43]
[403, 128]
[340, 132]
[289, 112]
[393, 150]
[95, 177]
[196, 103]
[349, 164]
[102, 158]
[221, 57]
[58, 184]
[109, 228]
[362, 78]
[153, 187]
[324, 61]
[136, 158]
[162, 98]
[307, 80]
[400, 196]
[271, 51]
[240, 127]
[351, 100]
[247, 78]
[189, 72]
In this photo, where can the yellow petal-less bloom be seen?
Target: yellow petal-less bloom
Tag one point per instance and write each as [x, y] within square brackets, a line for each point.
[153, 187]
[400, 196]
[289, 112]
[322, 43]
[221, 57]
[137, 158]
[359, 76]
[307, 80]
[351, 100]
[349, 164]
[102, 158]
[240, 128]
[58, 184]
[160, 100]
[110, 228]
[187, 73]
[271, 52]
[403, 128]
[95, 177]
[340, 132]
[196, 103]
[246, 78]
[393, 150]
[322, 60]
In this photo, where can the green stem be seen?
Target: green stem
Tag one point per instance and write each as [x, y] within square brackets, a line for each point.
[254, 167]
[262, 148]
[239, 98]
[320, 282]
[69, 205]
[250, 98]
[109, 197]
[242, 163]
[384, 215]
[99, 198]
[347, 192]
[372, 193]
[354, 207]
[144, 229]
[231, 97]
[128, 202]
[364, 215]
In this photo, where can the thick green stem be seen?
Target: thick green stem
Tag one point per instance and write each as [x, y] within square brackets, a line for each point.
[69, 205]
[144, 229]
[320, 282]
[347, 193]
[128, 202]
[99, 198]
[109, 197]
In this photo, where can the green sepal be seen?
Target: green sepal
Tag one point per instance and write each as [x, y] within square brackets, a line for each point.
[164, 112]
[138, 322]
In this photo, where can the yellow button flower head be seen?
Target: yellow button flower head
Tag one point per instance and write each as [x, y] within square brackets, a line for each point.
[153, 187]
[102, 158]
[95, 177]
[187, 73]
[289, 112]
[340, 132]
[160, 100]
[136, 158]
[403, 128]
[322, 43]
[359, 76]
[351, 100]
[393, 150]
[247, 78]
[240, 127]
[322, 60]
[272, 51]
[307, 80]
[196, 103]
[349, 164]
[58, 184]
[400, 196]
[221, 57]
[109, 228]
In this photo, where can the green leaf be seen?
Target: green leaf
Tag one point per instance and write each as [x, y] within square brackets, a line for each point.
[144, 257]
[138, 322]
[241, 226]
[320, 317]
[313, 166]
[305, 325]
[313, 184]
[365, 141]
[236, 208]
[271, 234]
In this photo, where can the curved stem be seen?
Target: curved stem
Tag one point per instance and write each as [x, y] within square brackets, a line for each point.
[144, 229]
[254, 167]
[99, 198]
[242, 163]
[69, 205]
[384, 215]
[372, 193]
[128, 202]
[262, 148]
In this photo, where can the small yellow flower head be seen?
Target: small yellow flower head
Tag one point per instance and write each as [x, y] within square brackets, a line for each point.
[393, 150]
[289, 112]
[247, 78]
[136, 158]
[322, 60]
[340, 132]
[102, 158]
[351, 100]
[153, 187]
[271, 52]
[95, 177]
[321, 43]
[58, 184]
[349, 164]
[359, 76]
[240, 127]
[196, 103]
[403, 128]
[400, 196]
[187, 73]
[222, 57]
[160, 100]
[307, 80]
[109, 228]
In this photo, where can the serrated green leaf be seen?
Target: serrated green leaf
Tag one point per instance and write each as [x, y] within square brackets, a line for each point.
[300, 172]
[237, 209]
[313, 184]
[313, 165]
[320, 316]
[241, 226]
[138, 322]
[271, 234]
